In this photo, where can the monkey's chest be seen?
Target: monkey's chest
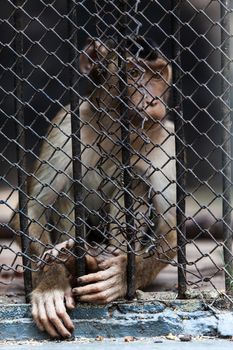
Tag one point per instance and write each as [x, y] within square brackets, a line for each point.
[101, 186]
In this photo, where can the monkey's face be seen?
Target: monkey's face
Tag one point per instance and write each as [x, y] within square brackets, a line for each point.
[147, 87]
[148, 83]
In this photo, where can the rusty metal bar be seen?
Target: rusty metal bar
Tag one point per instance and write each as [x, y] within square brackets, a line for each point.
[180, 149]
[226, 143]
[20, 136]
[126, 153]
[76, 140]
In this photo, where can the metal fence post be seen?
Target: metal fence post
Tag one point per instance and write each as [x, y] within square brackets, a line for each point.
[21, 154]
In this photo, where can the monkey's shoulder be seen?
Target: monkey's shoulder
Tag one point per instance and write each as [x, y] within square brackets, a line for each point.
[62, 119]
[169, 125]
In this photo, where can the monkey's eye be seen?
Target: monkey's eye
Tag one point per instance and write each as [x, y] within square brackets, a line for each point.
[158, 75]
[134, 73]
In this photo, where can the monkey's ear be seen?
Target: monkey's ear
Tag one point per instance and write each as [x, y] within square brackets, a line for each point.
[165, 68]
[169, 73]
[92, 53]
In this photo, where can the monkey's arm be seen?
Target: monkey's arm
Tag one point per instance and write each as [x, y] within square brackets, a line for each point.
[51, 289]
[107, 281]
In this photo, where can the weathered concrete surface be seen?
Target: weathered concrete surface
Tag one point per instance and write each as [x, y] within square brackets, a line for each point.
[138, 319]
[116, 344]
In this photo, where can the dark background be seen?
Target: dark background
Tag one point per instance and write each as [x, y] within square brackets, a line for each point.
[46, 75]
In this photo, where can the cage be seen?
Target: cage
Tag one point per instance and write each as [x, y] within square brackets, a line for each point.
[107, 180]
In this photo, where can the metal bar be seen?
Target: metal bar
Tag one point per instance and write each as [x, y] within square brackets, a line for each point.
[180, 151]
[126, 153]
[76, 142]
[20, 135]
[226, 143]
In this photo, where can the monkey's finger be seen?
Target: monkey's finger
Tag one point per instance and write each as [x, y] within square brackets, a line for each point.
[120, 261]
[35, 316]
[61, 312]
[91, 288]
[53, 323]
[103, 257]
[106, 264]
[53, 254]
[95, 277]
[70, 302]
[70, 243]
[43, 319]
[46, 258]
[109, 259]
[104, 297]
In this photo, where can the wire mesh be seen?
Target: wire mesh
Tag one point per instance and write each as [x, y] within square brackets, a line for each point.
[103, 176]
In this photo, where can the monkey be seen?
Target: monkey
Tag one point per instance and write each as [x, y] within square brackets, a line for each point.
[153, 175]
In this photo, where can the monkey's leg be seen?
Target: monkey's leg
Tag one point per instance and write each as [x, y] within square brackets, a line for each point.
[51, 292]
[51, 289]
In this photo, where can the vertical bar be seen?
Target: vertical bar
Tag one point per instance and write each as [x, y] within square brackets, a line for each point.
[180, 150]
[125, 137]
[226, 142]
[20, 136]
[76, 141]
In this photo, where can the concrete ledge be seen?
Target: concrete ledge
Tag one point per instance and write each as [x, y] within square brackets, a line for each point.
[138, 318]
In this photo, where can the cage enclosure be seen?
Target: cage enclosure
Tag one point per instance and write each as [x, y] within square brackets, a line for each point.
[105, 149]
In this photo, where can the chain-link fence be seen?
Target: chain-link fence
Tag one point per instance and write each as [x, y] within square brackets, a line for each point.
[135, 156]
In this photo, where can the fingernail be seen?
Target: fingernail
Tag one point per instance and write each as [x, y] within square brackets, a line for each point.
[80, 281]
[72, 337]
[68, 335]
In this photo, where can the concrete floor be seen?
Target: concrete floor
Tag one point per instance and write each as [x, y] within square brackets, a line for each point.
[145, 344]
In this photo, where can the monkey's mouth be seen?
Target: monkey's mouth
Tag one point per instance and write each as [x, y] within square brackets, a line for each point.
[138, 116]
[143, 108]
[141, 113]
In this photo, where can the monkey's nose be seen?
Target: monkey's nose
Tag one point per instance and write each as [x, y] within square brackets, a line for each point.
[152, 101]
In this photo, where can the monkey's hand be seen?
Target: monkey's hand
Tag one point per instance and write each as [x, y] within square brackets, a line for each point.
[105, 285]
[49, 302]
[59, 254]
